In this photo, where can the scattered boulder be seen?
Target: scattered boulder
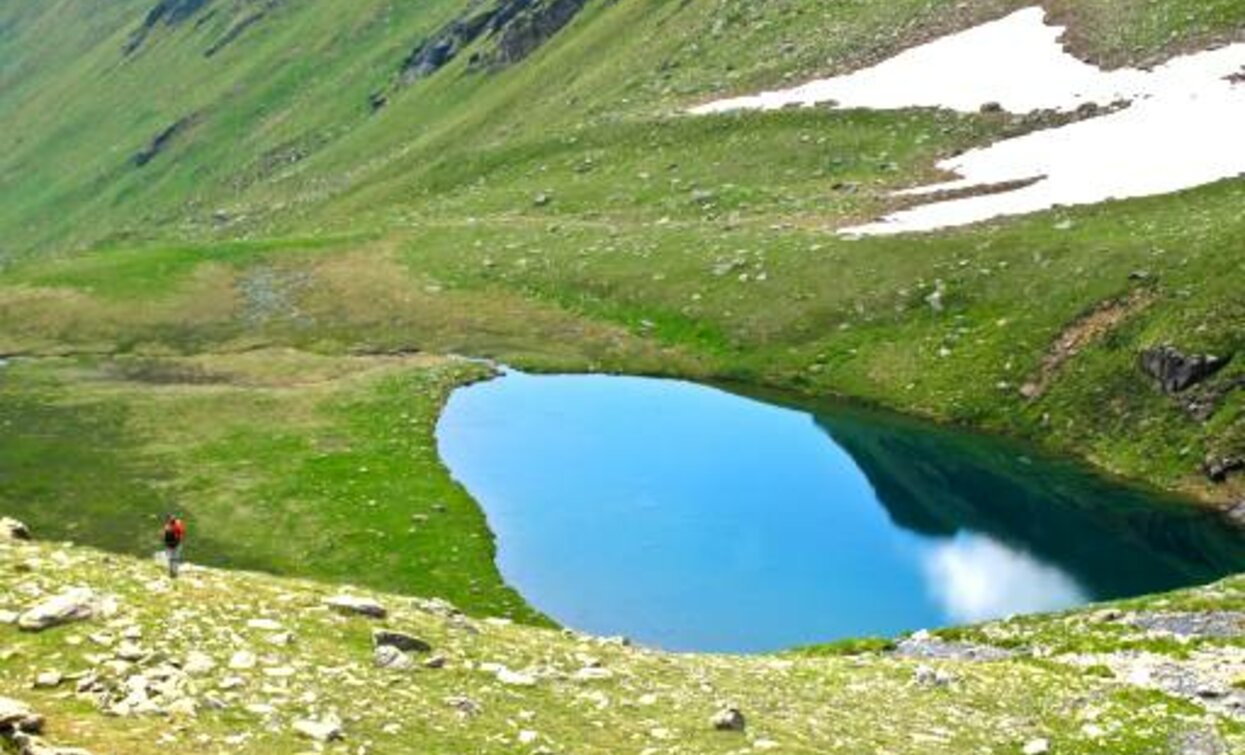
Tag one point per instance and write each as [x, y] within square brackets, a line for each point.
[11, 529]
[48, 680]
[1217, 469]
[17, 716]
[324, 730]
[390, 657]
[400, 640]
[729, 718]
[1036, 747]
[77, 604]
[352, 604]
[1176, 371]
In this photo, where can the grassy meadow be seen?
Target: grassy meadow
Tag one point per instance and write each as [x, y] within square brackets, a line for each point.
[560, 214]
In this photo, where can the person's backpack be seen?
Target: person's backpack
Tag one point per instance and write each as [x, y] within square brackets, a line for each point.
[171, 538]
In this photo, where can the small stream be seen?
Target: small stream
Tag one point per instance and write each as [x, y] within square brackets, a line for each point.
[690, 518]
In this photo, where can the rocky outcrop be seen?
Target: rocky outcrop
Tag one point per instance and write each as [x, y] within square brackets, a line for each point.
[518, 27]
[1175, 371]
[531, 29]
[161, 141]
[167, 12]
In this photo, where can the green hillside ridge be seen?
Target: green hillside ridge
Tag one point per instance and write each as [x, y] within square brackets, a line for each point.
[566, 188]
[241, 662]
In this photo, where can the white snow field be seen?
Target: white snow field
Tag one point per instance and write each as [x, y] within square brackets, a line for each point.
[1185, 126]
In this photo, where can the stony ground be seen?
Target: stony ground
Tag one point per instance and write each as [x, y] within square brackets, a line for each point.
[131, 662]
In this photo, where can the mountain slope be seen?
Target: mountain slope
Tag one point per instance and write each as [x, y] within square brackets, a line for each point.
[235, 662]
[188, 180]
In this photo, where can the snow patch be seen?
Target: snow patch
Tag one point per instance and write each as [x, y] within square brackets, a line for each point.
[1183, 128]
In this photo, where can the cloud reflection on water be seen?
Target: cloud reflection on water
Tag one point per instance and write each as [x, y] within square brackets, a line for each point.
[974, 577]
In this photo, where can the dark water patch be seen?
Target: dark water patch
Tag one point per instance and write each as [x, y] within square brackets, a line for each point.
[691, 518]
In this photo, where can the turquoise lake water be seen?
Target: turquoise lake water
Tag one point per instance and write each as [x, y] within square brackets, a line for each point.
[691, 518]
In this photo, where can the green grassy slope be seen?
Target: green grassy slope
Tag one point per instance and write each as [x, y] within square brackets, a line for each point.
[561, 214]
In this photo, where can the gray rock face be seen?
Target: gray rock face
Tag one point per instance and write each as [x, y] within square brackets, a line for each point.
[400, 640]
[352, 604]
[77, 604]
[11, 529]
[1175, 371]
[519, 27]
[729, 718]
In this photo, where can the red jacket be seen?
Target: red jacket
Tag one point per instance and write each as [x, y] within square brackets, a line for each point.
[174, 532]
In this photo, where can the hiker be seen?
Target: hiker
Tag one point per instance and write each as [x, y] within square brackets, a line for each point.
[174, 533]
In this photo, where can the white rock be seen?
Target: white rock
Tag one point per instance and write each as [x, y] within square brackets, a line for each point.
[77, 604]
[515, 678]
[388, 656]
[325, 730]
[129, 651]
[267, 625]
[18, 716]
[48, 680]
[242, 660]
[198, 663]
[1036, 747]
[592, 674]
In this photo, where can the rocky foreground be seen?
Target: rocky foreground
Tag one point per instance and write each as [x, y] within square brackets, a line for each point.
[104, 654]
